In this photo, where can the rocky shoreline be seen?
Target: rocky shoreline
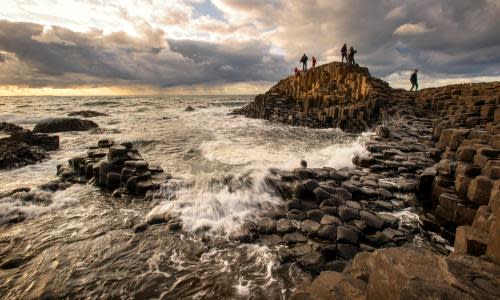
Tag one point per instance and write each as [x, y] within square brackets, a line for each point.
[384, 228]
[439, 148]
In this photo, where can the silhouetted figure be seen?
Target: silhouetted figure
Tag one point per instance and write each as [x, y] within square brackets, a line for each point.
[350, 56]
[304, 60]
[314, 61]
[414, 81]
[297, 72]
[343, 51]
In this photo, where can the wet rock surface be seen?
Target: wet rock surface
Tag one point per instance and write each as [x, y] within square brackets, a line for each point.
[22, 147]
[118, 168]
[63, 125]
[436, 155]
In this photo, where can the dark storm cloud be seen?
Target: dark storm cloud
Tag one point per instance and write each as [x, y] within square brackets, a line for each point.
[455, 37]
[58, 56]
[443, 38]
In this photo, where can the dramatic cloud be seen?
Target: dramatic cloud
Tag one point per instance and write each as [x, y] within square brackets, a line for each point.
[241, 43]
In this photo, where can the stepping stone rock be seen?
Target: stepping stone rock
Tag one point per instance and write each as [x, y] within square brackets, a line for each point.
[309, 226]
[347, 235]
[297, 215]
[315, 214]
[330, 220]
[328, 232]
[294, 237]
[348, 213]
[371, 220]
[283, 226]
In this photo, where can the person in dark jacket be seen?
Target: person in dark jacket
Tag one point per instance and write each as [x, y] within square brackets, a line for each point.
[350, 55]
[414, 81]
[343, 51]
[304, 60]
[314, 61]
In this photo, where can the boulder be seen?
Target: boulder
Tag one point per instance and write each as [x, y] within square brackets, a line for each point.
[64, 124]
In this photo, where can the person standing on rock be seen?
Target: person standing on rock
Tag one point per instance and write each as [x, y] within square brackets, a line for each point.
[343, 51]
[414, 81]
[350, 56]
[313, 61]
[304, 60]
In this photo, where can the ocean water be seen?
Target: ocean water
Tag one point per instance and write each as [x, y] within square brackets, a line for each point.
[78, 243]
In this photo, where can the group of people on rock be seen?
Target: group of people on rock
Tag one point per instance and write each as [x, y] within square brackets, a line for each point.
[348, 55]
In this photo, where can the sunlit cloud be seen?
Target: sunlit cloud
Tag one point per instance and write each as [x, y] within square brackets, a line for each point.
[171, 46]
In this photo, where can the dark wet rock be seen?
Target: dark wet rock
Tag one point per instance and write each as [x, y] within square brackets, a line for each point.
[315, 214]
[348, 213]
[328, 208]
[389, 220]
[347, 251]
[378, 239]
[353, 204]
[271, 239]
[300, 249]
[371, 220]
[347, 235]
[343, 194]
[320, 194]
[294, 237]
[23, 147]
[327, 232]
[309, 205]
[304, 173]
[86, 113]
[339, 175]
[189, 108]
[294, 204]
[114, 167]
[311, 261]
[64, 124]
[383, 193]
[296, 214]
[284, 226]
[330, 220]
[309, 226]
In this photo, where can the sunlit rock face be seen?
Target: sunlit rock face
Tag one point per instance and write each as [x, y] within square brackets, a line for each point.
[331, 95]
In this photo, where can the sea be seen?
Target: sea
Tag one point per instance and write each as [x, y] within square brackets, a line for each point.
[78, 243]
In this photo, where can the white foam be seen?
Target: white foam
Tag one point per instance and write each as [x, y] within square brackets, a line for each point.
[33, 203]
[218, 206]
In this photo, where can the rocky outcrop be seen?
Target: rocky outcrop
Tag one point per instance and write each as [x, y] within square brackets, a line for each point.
[63, 125]
[464, 188]
[23, 147]
[441, 145]
[118, 168]
[406, 273]
[331, 95]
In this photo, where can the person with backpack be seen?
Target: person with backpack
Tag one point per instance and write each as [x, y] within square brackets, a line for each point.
[343, 51]
[313, 61]
[414, 81]
[350, 56]
[304, 60]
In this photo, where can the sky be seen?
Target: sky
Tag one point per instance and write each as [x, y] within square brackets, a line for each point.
[94, 47]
